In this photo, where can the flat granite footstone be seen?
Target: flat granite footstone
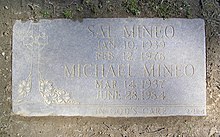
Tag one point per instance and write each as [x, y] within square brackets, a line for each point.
[115, 67]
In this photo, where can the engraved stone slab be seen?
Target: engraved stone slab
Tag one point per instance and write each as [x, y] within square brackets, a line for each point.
[113, 67]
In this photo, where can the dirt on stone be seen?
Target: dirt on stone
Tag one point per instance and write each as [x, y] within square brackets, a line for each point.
[179, 126]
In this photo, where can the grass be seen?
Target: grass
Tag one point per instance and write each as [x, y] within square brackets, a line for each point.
[67, 13]
[132, 7]
[45, 13]
[187, 9]
[94, 8]
[168, 8]
[79, 8]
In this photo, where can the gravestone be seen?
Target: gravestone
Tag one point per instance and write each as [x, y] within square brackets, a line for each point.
[116, 67]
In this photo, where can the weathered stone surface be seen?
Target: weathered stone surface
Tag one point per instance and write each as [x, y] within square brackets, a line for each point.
[109, 67]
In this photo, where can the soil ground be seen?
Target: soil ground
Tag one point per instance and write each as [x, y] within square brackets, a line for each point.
[17, 126]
